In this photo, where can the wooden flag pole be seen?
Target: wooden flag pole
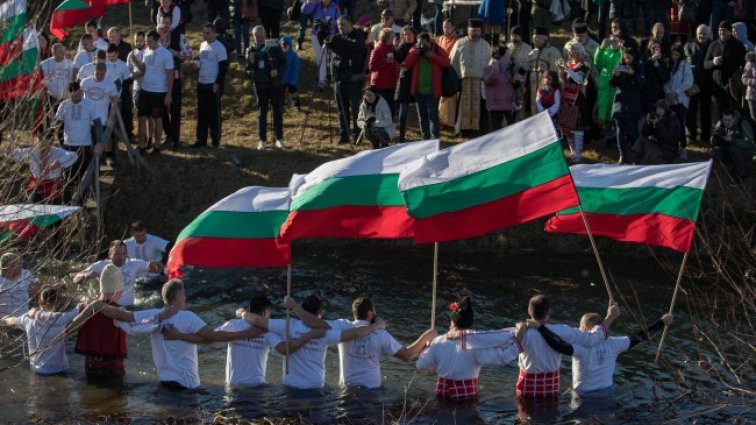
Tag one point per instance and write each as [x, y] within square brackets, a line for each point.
[288, 317]
[598, 257]
[435, 282]
[672, 305]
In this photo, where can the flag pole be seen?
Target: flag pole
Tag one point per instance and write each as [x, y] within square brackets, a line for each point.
[596, 253]
[288, 317]
[672, 305]
[435, 281]
[131, 22]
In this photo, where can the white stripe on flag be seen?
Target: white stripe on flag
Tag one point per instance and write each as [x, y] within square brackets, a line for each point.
[666, 176]
[11, 8]
[255, 199]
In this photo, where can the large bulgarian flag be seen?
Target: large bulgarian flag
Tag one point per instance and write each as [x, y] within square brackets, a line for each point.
[354, 197]
[648, 204]
[25, 220]
[12, 22]
[504, 178]
[70, 13]
[241, 230]
[22, 76]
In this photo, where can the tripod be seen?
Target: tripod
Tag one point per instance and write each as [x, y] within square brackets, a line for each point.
[325, 55]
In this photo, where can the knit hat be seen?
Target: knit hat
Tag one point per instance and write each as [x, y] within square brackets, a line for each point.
[579, 26]
[286, 40]
[517, 30]
[387, 12]
[726, 25]
[474, 23]
[462, 313]
[542, 31]
[111, 279]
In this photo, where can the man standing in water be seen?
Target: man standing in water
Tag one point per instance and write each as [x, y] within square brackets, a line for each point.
[360, 358]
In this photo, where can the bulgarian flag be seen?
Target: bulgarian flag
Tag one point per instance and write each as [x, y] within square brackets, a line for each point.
[22, 76]
[12, 22]
[504, 178]
[240, 230]
[25, 220]
[648, 204]
[71, 13]
[354, 197]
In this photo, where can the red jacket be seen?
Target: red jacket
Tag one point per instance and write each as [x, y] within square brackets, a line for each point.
[383, 74]
[439, 59]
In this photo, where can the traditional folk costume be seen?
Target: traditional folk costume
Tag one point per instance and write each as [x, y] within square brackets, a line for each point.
[520, 54]
[46, 181]
[540, 61]
[447, 107]
[469, 58]
[572, 111]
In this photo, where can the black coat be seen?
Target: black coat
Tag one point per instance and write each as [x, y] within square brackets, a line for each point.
[627, 98]
[696, 53]
[266, 60]
[656, 76]
[349, 56]
[732, 52]
[404, 85]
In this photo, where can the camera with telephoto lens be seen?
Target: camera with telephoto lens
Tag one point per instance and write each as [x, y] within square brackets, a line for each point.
[323, 29]
[423, 49]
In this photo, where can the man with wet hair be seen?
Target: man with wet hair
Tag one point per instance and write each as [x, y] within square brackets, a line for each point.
[247, 359]
[360, 358]
[17, 285]
[307, 366]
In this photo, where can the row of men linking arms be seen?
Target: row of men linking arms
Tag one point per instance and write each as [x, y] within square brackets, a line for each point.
[456, 356]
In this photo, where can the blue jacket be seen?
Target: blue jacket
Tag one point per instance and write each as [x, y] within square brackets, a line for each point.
[293, 65]
[321, 13]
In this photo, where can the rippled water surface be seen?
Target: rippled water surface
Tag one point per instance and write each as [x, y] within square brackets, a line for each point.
[399, 281]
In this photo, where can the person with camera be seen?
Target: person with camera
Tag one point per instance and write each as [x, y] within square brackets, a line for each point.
[733, 142]
[325, 14]
[629, 81]
[426, 61]
[607, 57]
[348, 70]
[660, 137]
[402, 96]
[375, 119]
[384, 69]
[266, 64]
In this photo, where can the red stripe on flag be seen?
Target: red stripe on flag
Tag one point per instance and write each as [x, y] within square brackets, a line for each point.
[23, 229]
[349, 221]
[522, 207]
[62, 19]
[227, 252]
[650, 229]
[11, 51]
[23, 85]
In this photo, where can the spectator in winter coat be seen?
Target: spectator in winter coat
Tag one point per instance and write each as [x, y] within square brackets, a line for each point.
[629, 81]
[680, 80]
[749, 80]
[699, 107]
[384, 69]
[375, 119]
[500, 89]
[290, 79]
[427, 60]
[733, 143]
[324, 12]
[658, 143]
[657, 74]
[402, 96]
[740, 32]
[724, 59]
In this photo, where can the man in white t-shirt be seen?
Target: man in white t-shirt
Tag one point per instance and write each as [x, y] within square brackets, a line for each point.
[247, 359]
[213, 64]
[176, 361]
[144, 246]
[88, 69]
[45, 330]
[156, 85]
[85, 56]
[361, 358]
[135, 57]
[129, 267]
[77, 115]
[307, 366]
[17, 285]
[117, 70]
[58, 73]
[90, 28]
[104, 93]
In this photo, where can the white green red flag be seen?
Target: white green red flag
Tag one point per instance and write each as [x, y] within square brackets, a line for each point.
[354, 197]
[24, 220]
[504, 178]
[648, 204]
[22, 76]
[241, 230]
[12, 22]
[70, 13]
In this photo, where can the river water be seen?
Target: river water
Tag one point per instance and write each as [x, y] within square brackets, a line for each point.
[398, 277]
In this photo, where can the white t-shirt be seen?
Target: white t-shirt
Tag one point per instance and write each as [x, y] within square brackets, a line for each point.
[14, 294]
[593, 367]
[247, 359]
[77, 119]
[174, 360]
[156, 62]
[307, 365]
[40, 166]
[82, 58]
[451, 360]
[101, 93]
[117, 72]
[86, 71]
[360, 359]
[130, 269]
[58, 75]
[139, 54]
[210, 55]
[152, 249]
[43, 331]
[100, 44]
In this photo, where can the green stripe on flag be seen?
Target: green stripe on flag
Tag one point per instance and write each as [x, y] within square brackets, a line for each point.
[367, 190]
[681, 202]
[29, 63]
[235, 224]
[13, 28]
[498, 182]
[43, 221]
